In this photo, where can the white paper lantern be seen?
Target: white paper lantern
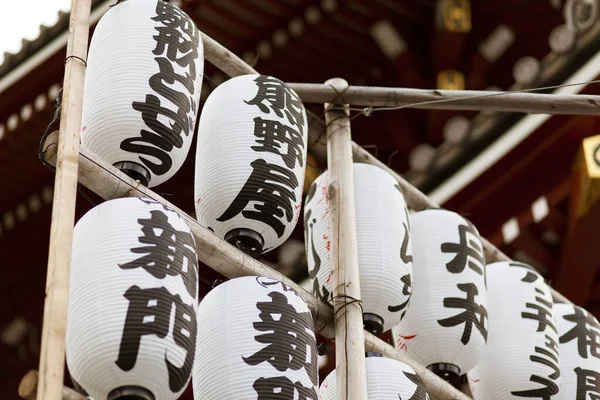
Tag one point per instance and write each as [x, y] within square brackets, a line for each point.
[255, 340]
[142, 88]
[250, 162]
[384, 244]
[521, 359]
[579, 345]
[446, 325]
[387, 379]
[131, 326]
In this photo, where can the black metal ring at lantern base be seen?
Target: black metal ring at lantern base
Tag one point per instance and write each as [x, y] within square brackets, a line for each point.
[135, 171]
[373, 323]
[247, 240]
[373, 354]
[130, 393]
[448, 372]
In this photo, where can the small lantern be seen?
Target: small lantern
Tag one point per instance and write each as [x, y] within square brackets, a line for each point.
[446, 324]
[142, 89]
[250, 162]
[256, 339]
[387, 379]
[579, 345]
[521, 359]
[131, 326]
[383, 239]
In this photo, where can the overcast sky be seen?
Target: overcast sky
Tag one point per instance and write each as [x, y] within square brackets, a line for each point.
[22, 19]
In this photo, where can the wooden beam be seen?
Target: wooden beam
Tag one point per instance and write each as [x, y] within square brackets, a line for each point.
[52, 356]
[28, 388]
[110, 183]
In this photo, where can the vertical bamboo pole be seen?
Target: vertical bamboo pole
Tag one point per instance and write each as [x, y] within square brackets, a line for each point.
[52, 358]
[349, 333]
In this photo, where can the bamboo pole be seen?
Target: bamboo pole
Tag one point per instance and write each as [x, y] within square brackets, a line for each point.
[476, 100]
[52, 357]
[349, 333]
[110, 183]
[29, 386]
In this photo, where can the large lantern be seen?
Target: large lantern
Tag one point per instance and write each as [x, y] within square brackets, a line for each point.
[142, 89]
[579, 345]
[384, 244]
[131, 328]
[521, 359]
[446, 324]
[250, 162]
[255, 340]
[387, 379]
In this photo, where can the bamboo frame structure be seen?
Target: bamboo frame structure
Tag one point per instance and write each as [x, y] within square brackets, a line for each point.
[110, 183]
[52, 357]
[29, 386]
[349, 333]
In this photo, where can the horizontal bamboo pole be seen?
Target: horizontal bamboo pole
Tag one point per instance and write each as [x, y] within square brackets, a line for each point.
[29, 386]
[475, 100]
[110, 183]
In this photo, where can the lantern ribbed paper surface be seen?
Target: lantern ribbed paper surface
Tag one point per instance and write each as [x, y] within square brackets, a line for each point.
[521, 359]
[133, 300]
[256, 340]
[142, 88]
[579, 345]
[386, 380]
[384, 243]
[446, 321]
[250, 162]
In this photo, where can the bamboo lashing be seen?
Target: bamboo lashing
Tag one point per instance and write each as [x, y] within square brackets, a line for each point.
[232, 65]
[351, 372]
[110, 183]
[29, 386]
[52, 357]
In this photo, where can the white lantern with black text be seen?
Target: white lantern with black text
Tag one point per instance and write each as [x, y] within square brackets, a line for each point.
[255, 340]
[131, 327]
[250, 162]
[383, 239]
[521, 359]
[579, 345]
[387, 379]
[446, 324]
[142, 89]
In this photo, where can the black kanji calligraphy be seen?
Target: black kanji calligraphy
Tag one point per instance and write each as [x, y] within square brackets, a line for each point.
[274, 95]
[406, 258]
[166, 251]
[283, 388]
[542, 312]
[269, 282]
[149, 313]
[420, 393]
[318, 290]
[473, 314]
[547, 356]
[406, 291]
[271, 187]
[288, 336]
[469, 251]
[273, 137]
[588, 384]
[586, 331]
[176, 42]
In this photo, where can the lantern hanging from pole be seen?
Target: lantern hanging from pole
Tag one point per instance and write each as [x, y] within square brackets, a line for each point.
[383, 239]
[387, 379]
[446, 324]
[131, 326]
[142, 89]
[521, 359]
[256, 339]
[250, 162]
[579, 345]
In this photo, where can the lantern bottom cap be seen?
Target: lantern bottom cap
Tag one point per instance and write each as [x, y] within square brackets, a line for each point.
[373, 354]
[247, 240]
[135, 171]
[448, 372]
[373, 323]
[130, 393]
